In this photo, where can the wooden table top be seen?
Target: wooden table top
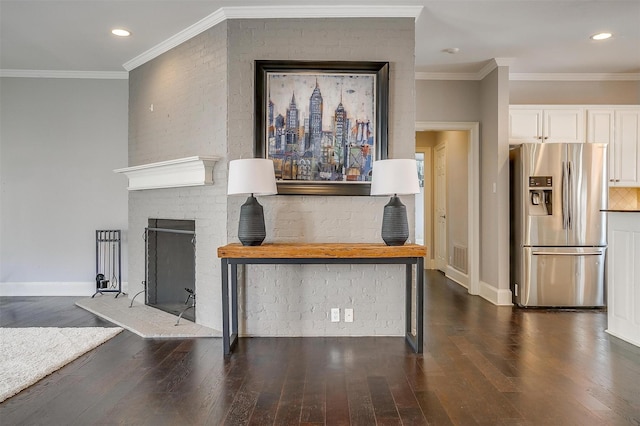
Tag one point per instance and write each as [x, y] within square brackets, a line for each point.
[320, 251]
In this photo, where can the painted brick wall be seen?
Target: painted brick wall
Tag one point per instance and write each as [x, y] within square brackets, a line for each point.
[177, 102]
[202, 93]
[187, 88]
[296, 300]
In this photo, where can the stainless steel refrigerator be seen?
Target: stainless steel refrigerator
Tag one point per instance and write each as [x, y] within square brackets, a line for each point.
[558, 228]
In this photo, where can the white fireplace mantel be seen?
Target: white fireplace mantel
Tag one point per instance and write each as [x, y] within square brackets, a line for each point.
[190, 171]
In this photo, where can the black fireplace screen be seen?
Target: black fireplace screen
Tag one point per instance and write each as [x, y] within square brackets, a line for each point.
[170, 271]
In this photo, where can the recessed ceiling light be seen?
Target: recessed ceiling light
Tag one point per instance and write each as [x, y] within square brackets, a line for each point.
[452, 50]
[120, 32]
[601, 36]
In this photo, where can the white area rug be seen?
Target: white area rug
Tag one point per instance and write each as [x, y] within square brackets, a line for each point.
[145, 321]
[29, 354]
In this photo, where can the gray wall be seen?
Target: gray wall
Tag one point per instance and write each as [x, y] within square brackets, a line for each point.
[60, 141]
[444, 100]
[494, 170]
[574, 92]
[487, 102]
[215, 72]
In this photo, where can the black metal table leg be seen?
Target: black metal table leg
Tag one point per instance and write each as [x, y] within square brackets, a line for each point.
[411, 340]
[233, 338]
[225, 306]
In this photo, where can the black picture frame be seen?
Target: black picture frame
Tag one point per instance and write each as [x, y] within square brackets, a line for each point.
[339, 73]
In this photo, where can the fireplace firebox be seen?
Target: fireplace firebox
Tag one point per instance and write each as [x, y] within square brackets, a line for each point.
[170, 266]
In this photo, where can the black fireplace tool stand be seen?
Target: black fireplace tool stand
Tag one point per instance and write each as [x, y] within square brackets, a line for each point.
[108, 262]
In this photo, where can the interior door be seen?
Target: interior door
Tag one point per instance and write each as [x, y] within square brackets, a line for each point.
[440, 249]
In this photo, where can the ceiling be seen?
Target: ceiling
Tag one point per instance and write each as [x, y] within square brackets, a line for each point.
[536, 36]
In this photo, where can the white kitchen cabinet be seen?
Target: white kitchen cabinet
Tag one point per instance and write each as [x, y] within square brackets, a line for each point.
[623, 276]
[620, 128]
[531, 124]
[626, 148]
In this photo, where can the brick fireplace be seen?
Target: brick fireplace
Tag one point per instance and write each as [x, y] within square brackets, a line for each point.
[170, 272]
[178, 192]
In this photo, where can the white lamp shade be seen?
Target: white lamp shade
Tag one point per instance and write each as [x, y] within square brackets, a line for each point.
[252, 176]
[397, 176]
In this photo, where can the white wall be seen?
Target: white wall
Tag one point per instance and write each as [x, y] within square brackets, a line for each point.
[60, 139]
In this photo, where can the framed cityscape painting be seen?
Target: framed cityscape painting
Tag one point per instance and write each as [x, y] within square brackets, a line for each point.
[322, 123]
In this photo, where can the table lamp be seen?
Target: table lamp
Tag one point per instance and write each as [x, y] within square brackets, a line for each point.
[393, 177]
[254, 176]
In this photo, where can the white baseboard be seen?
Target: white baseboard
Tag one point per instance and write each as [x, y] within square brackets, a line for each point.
[625, 338]
[501, 297]
[80, 288]
[457, 276]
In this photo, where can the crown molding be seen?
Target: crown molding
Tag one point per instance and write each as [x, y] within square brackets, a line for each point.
[479, 75]
[492, 65]
[446, 76]
[188, 33]
[272, 12]
[322, 11]
[527, 76]
[574, 76]
[103, 75]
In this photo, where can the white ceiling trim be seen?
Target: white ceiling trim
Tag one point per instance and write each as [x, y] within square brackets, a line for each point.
[188, 33]
[479, 75]
[328, 11]
[574, 77]
[102, 75]
[420, 75]
[493, 64]
[528, 76]
[272, 12]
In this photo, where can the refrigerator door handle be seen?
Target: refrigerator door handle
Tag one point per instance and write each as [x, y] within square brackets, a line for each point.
[559, 253]
[565, 195]
[570, 196]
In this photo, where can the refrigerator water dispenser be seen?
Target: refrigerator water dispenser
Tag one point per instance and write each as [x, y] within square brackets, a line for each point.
[540, 196]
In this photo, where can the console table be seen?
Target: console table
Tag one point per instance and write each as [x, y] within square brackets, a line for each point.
[236, 254]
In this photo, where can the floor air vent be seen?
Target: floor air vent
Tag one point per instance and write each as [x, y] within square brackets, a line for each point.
[460, 258]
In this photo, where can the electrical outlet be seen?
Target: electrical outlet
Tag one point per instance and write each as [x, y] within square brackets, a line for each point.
[335, 314]
[348, 315]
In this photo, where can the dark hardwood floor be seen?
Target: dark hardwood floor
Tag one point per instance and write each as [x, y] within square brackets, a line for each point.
[482, 364]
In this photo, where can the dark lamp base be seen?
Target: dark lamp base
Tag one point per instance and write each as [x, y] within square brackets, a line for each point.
[395, 227]
[251, 230]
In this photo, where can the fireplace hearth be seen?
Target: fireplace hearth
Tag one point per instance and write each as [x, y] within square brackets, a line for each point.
[170, 266]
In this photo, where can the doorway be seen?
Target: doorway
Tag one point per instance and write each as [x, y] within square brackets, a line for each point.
[451, 164]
